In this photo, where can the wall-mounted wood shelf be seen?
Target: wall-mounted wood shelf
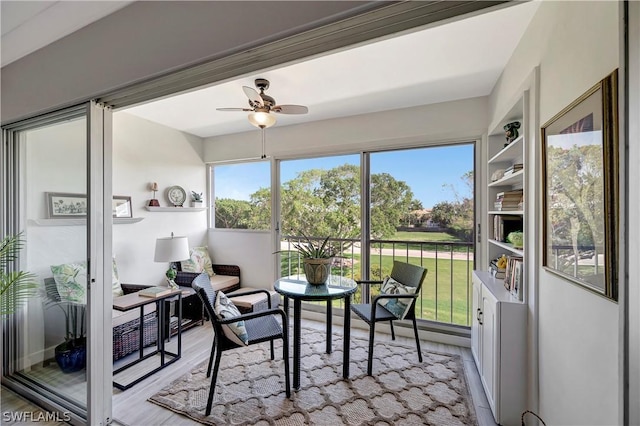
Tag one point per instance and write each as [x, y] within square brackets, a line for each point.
[175, 209]
[80, 222]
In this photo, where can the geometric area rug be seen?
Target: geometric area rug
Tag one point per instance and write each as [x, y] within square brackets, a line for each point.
[402, 391]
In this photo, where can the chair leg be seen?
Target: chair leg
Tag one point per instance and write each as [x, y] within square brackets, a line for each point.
[213, 354]
[393, 334]
[214, 378]
[372, 331]
[415, 331]
[272, 353]
[285, 356]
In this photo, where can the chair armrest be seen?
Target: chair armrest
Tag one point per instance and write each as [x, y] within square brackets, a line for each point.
[252, 315]
[369, 282]
[246, 292]
[132, 288]
[393, 296]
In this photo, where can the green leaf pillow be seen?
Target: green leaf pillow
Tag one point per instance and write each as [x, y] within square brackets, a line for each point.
[71, 281]
[116, 288]
[199, 262]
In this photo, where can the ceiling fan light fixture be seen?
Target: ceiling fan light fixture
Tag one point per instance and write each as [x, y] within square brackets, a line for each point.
[262, 119]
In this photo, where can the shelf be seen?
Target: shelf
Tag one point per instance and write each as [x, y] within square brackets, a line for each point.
[82, 222]
[509, 180]
[507, 212]
[510, 152]
[496, 287]
[507, 246]
[175, 209]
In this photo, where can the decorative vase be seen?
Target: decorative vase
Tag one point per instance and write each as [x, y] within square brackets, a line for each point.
[71, 355]
[196, 203]
[317, 270]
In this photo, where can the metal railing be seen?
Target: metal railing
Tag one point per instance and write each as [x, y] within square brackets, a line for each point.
[445, 296]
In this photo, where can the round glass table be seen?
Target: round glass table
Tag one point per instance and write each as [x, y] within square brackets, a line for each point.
[297, 288]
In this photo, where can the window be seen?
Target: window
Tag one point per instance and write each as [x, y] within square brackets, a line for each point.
[242, 194]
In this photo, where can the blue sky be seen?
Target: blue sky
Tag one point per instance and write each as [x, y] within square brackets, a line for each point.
[425, 170]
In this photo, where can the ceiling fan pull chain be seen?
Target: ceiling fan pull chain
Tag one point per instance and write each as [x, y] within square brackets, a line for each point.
[263, 156]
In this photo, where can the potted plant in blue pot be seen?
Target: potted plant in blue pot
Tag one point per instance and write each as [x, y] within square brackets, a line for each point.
[68, 292]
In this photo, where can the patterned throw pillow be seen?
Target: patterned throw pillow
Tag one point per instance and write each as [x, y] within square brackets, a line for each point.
[71, 281]
[236, 331]
[398, 307]
[199, 262]
[116, 288]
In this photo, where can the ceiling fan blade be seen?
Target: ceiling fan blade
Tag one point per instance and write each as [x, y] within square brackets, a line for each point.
[233, 109]
[252, 95]
[290, 109]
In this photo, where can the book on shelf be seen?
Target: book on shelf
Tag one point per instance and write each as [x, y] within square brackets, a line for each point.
[503, 225]
[513, 169]
[155, 291]
[513, 278]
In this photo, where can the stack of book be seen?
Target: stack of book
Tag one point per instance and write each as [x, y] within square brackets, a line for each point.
[513, 277]
[513, 169]
[503, 225]
[508, 200]
[155, 291]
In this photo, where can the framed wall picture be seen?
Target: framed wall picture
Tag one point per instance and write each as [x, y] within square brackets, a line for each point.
[121, 206]
[580, 190]
[63, 205]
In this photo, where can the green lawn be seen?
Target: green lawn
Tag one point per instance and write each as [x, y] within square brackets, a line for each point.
[432, 237]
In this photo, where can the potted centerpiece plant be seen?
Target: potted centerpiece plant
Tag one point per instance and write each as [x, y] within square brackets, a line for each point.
[71, 355]
[317, 257]
[16, 287]
[196, 199]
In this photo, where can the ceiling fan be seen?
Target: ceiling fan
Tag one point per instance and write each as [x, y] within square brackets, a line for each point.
[262, 105]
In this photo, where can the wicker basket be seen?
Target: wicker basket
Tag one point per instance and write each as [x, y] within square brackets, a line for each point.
[126, 337]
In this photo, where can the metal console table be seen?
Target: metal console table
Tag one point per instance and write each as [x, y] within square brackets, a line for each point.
[134, 300]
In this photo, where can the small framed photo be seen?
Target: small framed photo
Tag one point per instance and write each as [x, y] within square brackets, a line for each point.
[121, 206]
[62, 205]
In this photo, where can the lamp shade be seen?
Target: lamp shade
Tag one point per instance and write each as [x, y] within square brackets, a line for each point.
[172, 249]
[262, 119]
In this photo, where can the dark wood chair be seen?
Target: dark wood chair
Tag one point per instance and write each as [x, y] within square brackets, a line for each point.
[371, 313]
[262, 326]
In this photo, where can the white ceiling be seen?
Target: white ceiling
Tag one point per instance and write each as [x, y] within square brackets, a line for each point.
[454, 61]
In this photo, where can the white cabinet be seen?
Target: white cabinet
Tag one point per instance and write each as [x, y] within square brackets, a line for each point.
[498, 345]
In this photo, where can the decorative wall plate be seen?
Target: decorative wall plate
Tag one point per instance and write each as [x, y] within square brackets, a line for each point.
[176, 195]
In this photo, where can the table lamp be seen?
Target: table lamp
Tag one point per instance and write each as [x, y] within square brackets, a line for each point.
[172, 249]
[153, 202]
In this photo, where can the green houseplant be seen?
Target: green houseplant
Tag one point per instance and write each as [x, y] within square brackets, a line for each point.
[70, 354]
[16, 287]
[317, 257]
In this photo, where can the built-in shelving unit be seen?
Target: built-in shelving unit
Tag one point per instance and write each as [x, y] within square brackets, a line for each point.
[175, 209]
[80, 222]
[498, 327]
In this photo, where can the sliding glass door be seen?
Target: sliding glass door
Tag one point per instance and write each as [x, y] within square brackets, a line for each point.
[54, 195]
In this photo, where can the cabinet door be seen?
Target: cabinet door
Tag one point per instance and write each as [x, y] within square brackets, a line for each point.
[476, 338]
[489, 344]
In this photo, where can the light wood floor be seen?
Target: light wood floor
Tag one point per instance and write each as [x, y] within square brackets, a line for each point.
[131, 408]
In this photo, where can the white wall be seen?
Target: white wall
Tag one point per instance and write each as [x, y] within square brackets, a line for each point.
[145, 152]
[576, 45]
[463, 120]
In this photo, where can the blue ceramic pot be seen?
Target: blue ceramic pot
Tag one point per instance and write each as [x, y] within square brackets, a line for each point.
[71, 356]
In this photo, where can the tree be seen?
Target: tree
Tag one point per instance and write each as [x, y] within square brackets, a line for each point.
[232, 213]
[443, 213]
